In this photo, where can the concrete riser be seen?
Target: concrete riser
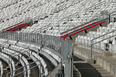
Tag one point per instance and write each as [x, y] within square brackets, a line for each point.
[111, 68]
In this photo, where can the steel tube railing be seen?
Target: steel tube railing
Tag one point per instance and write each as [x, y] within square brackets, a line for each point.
[23, 67]
[93, 43]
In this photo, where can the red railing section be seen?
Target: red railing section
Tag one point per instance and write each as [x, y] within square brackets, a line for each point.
[17, 27]
[82, 29]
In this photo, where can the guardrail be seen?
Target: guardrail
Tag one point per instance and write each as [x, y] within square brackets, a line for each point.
[26, 22]
[11, 26]
[60, 46]
[93, 43]
[82, 28]
[36, 66]
[111, 18]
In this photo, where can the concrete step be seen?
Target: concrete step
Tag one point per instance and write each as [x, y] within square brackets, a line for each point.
[87, 70]
[103, 72]
[76, 73]
[108, 63]
[80, 62]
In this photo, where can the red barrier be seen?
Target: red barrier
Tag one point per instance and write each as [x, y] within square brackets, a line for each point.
[18, 27]
[79, 30]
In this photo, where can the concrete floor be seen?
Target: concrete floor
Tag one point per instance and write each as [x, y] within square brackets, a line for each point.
[86, 69]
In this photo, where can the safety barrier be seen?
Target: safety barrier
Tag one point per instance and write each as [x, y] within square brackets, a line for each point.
[62, 48]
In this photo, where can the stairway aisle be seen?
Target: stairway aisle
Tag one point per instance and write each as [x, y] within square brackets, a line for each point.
[85, 69]
[103, 72]
[89, 70]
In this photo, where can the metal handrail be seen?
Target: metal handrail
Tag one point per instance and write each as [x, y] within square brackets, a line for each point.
[53, 70]
[93, 43]
[18, 57]
[27, 69]
[12, 26]
[10, 61]
[78, 26]
[23, 67]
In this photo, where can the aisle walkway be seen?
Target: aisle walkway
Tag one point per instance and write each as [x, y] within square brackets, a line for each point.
[85, 69]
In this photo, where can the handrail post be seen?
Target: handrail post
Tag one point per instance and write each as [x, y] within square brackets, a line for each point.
[109, 18]
[7, 74]
[91, 48]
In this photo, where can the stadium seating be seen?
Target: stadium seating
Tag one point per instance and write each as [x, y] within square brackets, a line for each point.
[25, 9]
[9, 61]
[33, 56]
[21, 59]
[54, 12]
[21, 51]
[8, 3]
[86, 40]
[70, 17]
[50, 17]
[1, 69]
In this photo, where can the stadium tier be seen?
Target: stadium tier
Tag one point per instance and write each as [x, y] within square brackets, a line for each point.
[49, 38]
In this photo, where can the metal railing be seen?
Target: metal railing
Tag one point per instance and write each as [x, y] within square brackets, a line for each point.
[93, 42]
[60, 46]
[19, 57]
[55, 71]
[94, 18]
[53, 42]
[26, 69]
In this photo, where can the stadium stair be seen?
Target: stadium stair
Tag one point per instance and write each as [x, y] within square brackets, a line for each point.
[103, 64]
[76, 73]
[93, 69]
[103, 72]
[73, 33]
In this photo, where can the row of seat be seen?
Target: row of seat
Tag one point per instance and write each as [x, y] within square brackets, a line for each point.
[38, 60]
[10, 63]
[55, 59]
[45, 51]
[23, 50]
[50, 52]
[74, 15]
[1, 69]
[18, 8]
[108, 44]
[21, 59]
[55, 17]
[51, 19]
[7, 3]
[27, 9]
[13, 18]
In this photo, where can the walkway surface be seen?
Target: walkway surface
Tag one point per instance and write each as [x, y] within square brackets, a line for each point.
[85, 69]
[104, 61]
